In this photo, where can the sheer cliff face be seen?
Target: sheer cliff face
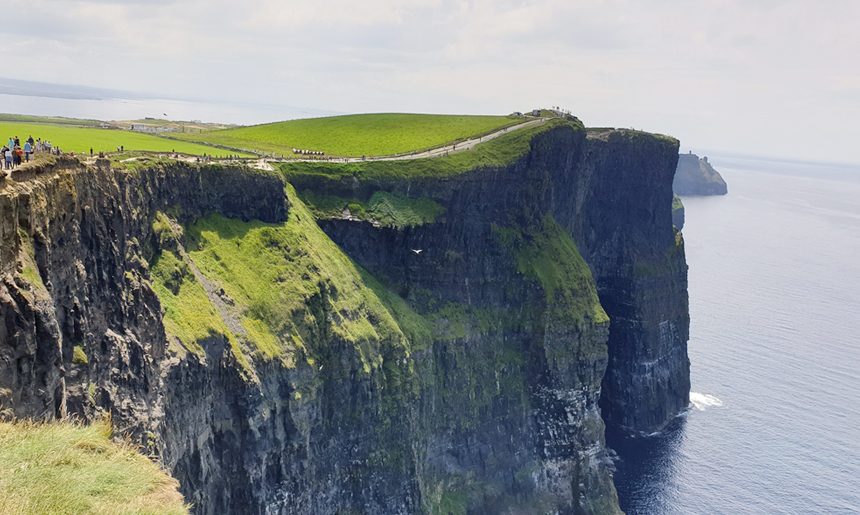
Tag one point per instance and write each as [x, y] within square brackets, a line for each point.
[72, 268]
[638, 261]
[457, 364]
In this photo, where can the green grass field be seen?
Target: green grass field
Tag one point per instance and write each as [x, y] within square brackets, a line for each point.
[63, 469]
[80, 139]
[499, 152]
[355, 135]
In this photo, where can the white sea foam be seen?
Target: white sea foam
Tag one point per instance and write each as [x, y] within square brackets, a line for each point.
[703, 401]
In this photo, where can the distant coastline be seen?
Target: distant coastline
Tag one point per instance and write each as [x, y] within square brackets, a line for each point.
[44, 99]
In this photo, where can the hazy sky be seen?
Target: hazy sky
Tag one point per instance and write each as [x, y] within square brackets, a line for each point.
[765, 77]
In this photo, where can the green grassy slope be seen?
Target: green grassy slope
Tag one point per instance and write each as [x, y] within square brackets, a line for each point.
[289, 284]
[501, 151]
[64, 469]
[80, 139]
[545, 252]
[356, 135]
[387, 209]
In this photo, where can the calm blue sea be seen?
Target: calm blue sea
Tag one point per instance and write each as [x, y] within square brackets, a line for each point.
[775, 351]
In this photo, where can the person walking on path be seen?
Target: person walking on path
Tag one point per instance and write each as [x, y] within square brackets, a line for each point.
[27, 150]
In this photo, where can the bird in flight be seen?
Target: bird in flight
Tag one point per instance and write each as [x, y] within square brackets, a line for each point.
[418, 251]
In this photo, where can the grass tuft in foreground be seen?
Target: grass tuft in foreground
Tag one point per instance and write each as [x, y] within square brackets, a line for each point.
[62, 468]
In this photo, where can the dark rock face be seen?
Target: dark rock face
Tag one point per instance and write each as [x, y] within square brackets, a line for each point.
[593, 187]
[696, 176]
[678, 213]
[638, 263]
[502, 412]
[75, 276]
[509, 415]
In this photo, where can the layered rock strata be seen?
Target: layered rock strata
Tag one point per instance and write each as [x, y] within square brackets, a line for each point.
[452, 365]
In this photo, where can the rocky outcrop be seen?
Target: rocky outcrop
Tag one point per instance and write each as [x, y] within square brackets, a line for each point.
[82, 329]
[461, 362]
[696, 176]
[678, 212]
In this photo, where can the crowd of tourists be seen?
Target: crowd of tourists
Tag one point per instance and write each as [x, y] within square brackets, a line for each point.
[13, 154]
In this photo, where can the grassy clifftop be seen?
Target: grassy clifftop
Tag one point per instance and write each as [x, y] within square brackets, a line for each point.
[81, 139]
[499, 152]
[63, 469]
[355, 135]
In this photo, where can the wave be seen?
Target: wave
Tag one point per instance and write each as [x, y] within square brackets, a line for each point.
[703, 401]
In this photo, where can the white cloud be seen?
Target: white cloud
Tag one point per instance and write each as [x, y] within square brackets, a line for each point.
[763, 75]
[330, 13]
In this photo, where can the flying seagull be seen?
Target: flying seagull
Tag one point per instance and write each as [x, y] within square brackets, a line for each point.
[418, 251]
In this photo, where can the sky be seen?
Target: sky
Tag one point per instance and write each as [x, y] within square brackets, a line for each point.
[758, 77]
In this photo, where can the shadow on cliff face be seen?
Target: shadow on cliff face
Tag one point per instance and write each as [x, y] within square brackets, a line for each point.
[647, 466]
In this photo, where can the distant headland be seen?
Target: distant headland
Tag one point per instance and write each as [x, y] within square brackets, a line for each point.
[696, 176]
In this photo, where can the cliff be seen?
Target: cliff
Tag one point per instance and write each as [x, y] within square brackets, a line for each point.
[436, 336]
[696, 176]
[678, 212]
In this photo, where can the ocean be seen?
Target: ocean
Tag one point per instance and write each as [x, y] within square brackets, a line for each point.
[774, 285]
[107, 109]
